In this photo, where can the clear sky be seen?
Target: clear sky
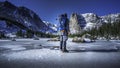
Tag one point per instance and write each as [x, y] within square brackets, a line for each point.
[48, 10]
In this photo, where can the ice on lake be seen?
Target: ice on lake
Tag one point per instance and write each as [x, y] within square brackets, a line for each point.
[38, 54]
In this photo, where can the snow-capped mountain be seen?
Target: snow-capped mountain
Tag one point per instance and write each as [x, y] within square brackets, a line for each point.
[111, 18]
[87, 21]
[52, 28]
[92, 20]
[21, 17]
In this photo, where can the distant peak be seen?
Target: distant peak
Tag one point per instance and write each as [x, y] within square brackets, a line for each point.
[6, 1]
[74, 15]
[24, 8]
[8, 4]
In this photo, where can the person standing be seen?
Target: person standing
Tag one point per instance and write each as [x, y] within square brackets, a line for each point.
[64, 30]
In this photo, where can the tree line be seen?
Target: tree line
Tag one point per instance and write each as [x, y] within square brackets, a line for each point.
[107, 31]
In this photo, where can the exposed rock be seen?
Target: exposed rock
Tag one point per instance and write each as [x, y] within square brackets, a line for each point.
[54, 39]
[74, 24]
[77, 39]
[13, 39]
[36, 38]
[84, 39]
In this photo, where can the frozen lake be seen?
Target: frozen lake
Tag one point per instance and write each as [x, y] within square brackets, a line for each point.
[29, 53]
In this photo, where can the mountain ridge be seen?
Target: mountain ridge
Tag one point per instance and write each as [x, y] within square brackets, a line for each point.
[20, 15]
[87, 21]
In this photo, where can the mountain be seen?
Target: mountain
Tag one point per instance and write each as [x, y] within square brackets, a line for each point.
[111, 18]
[75, 23]
[20, 17]
[52, 28]
[87, 21]
[92, 20]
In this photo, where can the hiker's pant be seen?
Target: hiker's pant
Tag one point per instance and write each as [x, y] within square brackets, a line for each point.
[63, 40]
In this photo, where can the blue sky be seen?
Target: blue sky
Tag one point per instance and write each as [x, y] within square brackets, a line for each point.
[48, 10]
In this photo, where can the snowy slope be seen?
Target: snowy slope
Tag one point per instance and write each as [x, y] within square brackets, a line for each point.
[91, 20]
[52, 28]
[111, 18]
[21, 17]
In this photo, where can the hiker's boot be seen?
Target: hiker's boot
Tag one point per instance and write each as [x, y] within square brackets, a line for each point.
[64, 47]
[61, 42]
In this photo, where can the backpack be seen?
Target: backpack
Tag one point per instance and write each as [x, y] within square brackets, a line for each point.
[63, 23]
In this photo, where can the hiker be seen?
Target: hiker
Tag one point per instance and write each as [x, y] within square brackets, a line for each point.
[64, 30]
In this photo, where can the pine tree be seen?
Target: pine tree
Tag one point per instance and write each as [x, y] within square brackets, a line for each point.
[19, 33]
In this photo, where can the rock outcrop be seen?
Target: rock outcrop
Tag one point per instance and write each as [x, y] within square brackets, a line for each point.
[75, 23]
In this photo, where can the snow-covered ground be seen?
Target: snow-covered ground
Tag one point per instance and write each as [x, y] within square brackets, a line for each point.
[29, 53]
